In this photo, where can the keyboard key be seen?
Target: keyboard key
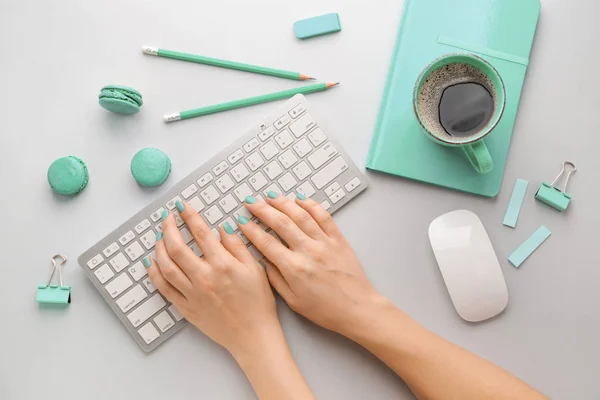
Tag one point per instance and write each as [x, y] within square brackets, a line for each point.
[239, 172]
[189, 191]
[242, 192]
[292, 196]
[306, 189]
[302, 148]
[317, 137]
[137, 271]
[322, 155]
[219, 169]
[131, 298]
[225, 183]
[273, 170]
[94, 262]
[119, 262]
[228, 203]
[326, 205]
[284, 139]
[149, 333]
[158, 227]
[126, 238]
[196, 203]
[267, 133]
[149, 285]
[353, 184]
[164, 321]
[330, 190]
[186, 235]
[302, 171]
[210, 195]
[243, 238]
[142, 226]
[178, 220]
[196, 249]
[217, 233]
[287, 182]
[235, 157]
[242, 211]
[282, 122]
[254, 161]
[146, 310]
[213, 215]
[269, 150]
[329, 173]
[157, 215]
[111, 249]
[251, 145]
[303, 125]
[205, 180]
[287, 159]
[261, 224]
[297, 111]
[134, 251]
[104, 273]
[175, 313]
[171, 203]
[231, 222]
[273, 188]
[118, 285]
[258, 181]
[337, 196]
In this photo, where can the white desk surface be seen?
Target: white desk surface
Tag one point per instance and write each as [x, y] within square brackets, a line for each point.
[55, 57]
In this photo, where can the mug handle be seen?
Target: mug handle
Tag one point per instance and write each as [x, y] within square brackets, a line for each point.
[479, 156]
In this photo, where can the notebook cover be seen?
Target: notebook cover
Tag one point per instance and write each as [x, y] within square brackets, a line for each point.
[502, 32]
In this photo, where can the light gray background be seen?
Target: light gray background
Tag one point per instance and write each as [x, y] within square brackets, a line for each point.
[56, 55]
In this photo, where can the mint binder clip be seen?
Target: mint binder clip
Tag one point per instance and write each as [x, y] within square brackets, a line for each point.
[553, 196]
[53, 294]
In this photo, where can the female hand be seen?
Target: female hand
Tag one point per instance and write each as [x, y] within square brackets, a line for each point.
[319, 275]
[225, 294]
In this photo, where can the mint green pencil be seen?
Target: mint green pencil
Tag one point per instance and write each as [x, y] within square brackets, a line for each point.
[251, 101]
[154, 51]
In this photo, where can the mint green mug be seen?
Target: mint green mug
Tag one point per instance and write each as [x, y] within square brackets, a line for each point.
[443, 73]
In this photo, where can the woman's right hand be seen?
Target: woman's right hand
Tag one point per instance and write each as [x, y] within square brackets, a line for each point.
[319, 275]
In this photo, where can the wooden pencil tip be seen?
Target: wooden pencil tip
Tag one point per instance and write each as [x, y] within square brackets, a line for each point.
[306, 78]
[331, 84]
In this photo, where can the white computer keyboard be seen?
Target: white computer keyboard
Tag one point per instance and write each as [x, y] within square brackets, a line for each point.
[288, 152]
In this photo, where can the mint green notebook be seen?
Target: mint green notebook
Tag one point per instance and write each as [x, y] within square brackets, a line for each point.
[502, 32]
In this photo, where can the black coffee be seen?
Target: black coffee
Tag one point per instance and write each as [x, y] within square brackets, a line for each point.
[465, 109]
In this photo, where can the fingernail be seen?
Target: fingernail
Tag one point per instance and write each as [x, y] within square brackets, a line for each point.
[243, 220]
[179, 205]
[158, 236]
[146, 262]
[272, 194]
[227, 227]
[263, 264]
[165, 214]
[250, 200]
[300, 196]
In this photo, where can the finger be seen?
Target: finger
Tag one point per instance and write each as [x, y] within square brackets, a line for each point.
[278, 282]
[233, 244]
[169, 269]
[177, 248]
[265, 243]
[163, 286]
[300, 216]
[278, 221]
[321, 216]
[206, 240]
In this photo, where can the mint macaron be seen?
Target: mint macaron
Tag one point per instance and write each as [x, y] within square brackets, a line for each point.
[68, 176]
[120, 99]
[150, 167]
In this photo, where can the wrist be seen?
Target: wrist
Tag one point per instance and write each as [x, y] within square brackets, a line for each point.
[252, 345]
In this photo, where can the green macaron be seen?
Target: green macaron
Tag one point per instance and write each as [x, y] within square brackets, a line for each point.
[150, 167]
[120, 99]
[68, 176]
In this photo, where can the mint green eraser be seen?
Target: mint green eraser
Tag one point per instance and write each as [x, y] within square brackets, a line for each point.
[317, 26]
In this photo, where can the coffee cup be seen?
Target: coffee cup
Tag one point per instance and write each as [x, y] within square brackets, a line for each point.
[458, 100]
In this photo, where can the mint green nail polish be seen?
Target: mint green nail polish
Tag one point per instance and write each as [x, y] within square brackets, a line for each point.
[158, 236]
[272, 194]
[243, 220]
[179, 205]
[146, 262]
[165, 214]
[227, 227]
[300, 196]
[250, 200]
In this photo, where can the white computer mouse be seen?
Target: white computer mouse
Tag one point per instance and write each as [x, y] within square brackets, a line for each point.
[469, 265]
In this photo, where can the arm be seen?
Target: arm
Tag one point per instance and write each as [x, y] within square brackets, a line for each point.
[226, 294]
[320, 277]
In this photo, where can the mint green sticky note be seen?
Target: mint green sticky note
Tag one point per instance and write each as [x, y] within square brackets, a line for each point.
[516, 201]
[317, 26]
[526, 249]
